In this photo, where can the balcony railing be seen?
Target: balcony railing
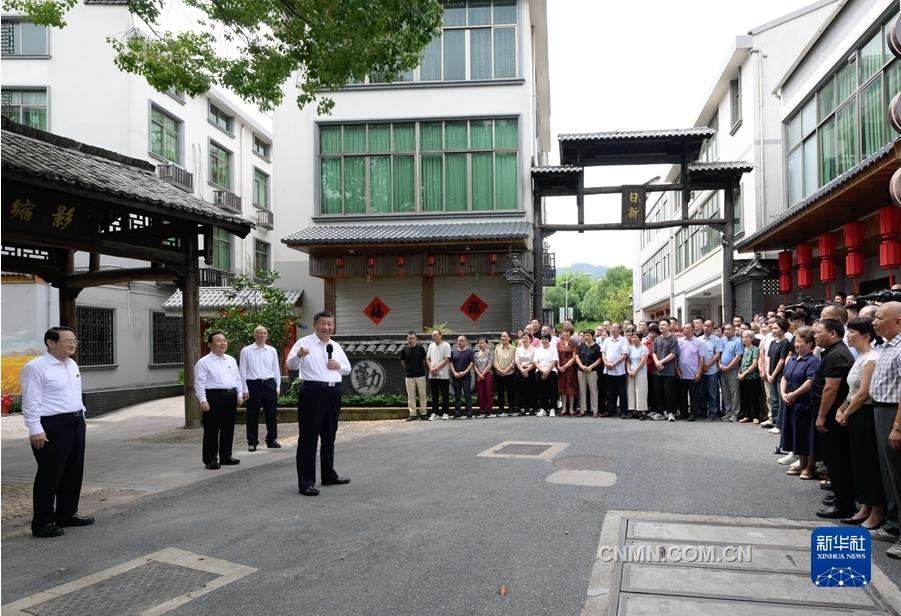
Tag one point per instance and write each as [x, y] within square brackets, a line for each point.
[175, 175]
[227, 200]
[265, 218]
[212, 277]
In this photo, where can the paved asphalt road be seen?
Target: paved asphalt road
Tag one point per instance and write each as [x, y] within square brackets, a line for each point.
[426, 526]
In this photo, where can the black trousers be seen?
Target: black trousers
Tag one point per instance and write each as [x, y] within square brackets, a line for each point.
[318, 406]
[690, 398]
[665, 393]
[526, 391]
[219, 424]
[440, 387]
[503, 385]
[617, 385]
[652, 395]
[547, 391]
[60, 469]
[836, 448]
[262, 393]
[463, 392]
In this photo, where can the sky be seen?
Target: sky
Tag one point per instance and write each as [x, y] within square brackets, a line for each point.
[633, 65]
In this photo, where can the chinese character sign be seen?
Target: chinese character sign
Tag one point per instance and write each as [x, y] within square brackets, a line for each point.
[376, 310]
[634, 199]
[474, 307]
[840, 557]
[367, 377]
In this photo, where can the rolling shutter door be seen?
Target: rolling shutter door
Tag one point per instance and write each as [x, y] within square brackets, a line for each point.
[402, 296]
[452, 292]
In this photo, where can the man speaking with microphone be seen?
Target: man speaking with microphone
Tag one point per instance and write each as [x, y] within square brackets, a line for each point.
[322, 363]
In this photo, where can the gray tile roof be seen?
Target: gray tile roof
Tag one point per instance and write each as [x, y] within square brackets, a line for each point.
[720, 166]
[557, 169]
[883, 153]
[212, 298]
[376, 233]
[392, 346]
[116, 2]
[624, 135]
[31, 152]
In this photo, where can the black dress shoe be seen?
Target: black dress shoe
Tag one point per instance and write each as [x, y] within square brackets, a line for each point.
[309, 491]
[231, 461]
[251, 448]
[273, 444]
[828, 500]
[213, 466]
[76, 520]
[412, 418]
[853, 522]
[833, 513]
[48, 530]
[691, 417]
[337, 481]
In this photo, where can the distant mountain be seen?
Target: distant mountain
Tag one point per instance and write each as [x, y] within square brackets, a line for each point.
[596, 271]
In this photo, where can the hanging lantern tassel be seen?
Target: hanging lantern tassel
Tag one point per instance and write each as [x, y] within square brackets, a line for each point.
[461, 259]
[401, 261]
[492, 264]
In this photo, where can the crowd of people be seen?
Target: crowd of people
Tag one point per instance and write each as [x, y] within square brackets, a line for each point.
[828, 385]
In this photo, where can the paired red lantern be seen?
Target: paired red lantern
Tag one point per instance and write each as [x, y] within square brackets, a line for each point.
[804, 258]
[854, 263]
[889, 229]
[826, 244]
[785, 269]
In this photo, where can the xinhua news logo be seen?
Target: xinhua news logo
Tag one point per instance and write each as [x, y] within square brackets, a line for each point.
[840, 557]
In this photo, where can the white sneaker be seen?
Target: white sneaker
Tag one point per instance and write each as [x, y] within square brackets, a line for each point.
[541, 413]
[774, 431]
[788, 459]
[552, 413]
[433, 417]
[796, 464]
[670, 417]
[766, 424]
[445, 417]
[502, 415]
[655, 416]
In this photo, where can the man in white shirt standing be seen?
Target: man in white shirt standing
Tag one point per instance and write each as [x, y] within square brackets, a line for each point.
[322, 362]
[615, 353]
[262, 375]
[54, 415]
[219, 388]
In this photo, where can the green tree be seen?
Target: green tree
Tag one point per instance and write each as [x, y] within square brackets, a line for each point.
[609, 297]
[253, 302]
[555, 297]
[327, 43]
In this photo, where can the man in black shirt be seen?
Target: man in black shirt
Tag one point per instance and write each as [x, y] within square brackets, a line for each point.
[829, 390]
[412, 358]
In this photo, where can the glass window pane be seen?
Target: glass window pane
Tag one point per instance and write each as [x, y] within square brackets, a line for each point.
[481, 132]
[404, 197]
[506, 134]
[893, 80]
[430, 67]
[36, 117]
[34, 97]
[795, 179]
[505, 11]
[455, 172]
[379, 138]
[455, 135]
[846, 136]
[156, 139]
[826, 99]
[846, 81]
[404, 138]
[355, 138]
[354, 185]
[330, 185]
[872, 118]
[380, 184]
[483, 181]
[432, 185]
[871, 57]
[329, 139]
[34, 39]
[810, 165]
[454, 55]
[505, 181]
[479, 12]
[809, 118]
[504, 53]
[455, 13]
[794, 131]
[828, 164]
[430, 136]
[480, 53]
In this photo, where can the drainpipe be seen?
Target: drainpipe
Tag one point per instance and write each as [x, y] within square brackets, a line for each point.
[760, 154]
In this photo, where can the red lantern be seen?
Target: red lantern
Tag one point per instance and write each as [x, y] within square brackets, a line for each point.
[430, 262]
[785, 268]
[461, 259]
[492, 263]
[805, 278]
[853, 243]
[401, 261]
[785, 283]
[804, 257]
[339, 264]
[889, 228]
[370, 263]
[826, 243]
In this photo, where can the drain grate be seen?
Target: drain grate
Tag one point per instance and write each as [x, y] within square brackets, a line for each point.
[517, 449]
[583, 463]
[132, 592]
[525, 450]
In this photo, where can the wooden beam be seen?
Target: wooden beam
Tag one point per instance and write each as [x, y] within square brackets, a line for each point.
[615, 226]
[115, 249]
[94, 279]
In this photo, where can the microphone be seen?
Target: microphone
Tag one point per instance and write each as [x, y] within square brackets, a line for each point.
[328, 349]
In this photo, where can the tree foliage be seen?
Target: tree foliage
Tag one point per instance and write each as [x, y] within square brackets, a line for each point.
[327, 43]
[609, 297]
[254, 302]
[555, 297]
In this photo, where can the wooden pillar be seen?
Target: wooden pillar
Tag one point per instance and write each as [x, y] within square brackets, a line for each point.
[67, 296]
[728, 247]
[190, 310]
[428, 301]
[94, 263]
[538, 259]
[330, 299]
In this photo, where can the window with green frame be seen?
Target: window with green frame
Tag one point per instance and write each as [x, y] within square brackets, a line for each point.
[463, 165]
[260, 257]
[260, 189]
[849, 122]
[220, 166]
[165, 135]
[694, 242]
[222, 249]
[25, 106]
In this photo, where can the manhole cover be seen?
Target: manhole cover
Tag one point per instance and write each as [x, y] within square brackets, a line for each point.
[132, 592]
[583, 463]
[523, 450]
